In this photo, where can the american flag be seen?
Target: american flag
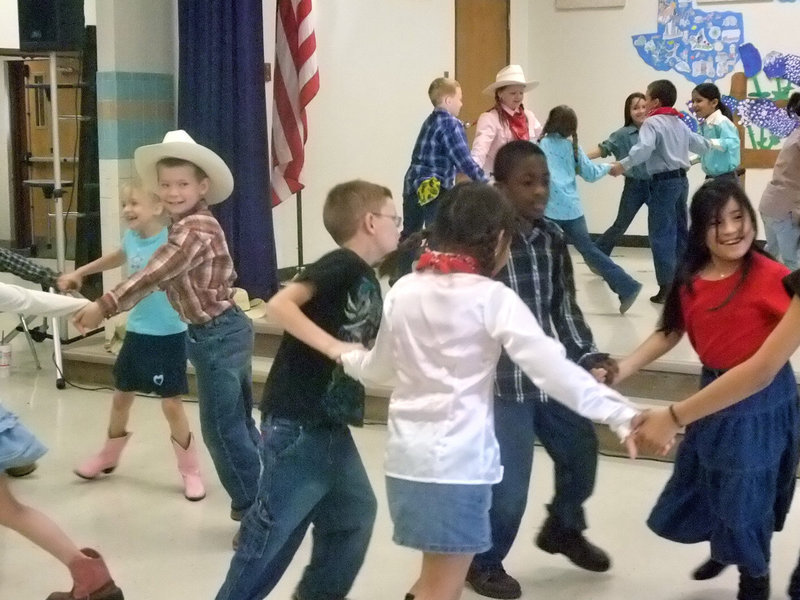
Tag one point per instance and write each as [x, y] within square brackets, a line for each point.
[296, 83]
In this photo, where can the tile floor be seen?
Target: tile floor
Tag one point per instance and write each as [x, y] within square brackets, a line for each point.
[161, 546]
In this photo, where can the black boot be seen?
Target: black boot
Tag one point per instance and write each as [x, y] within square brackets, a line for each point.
[708, 570]
[752, 588]
[794, 583]
[493, 583]
[661, 296]
[557, 539]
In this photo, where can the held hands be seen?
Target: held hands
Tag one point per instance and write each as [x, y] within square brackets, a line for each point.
[616, 169]
[655, 430]
[602, 367]
[70, 282]
[88, 318]
[335, 350]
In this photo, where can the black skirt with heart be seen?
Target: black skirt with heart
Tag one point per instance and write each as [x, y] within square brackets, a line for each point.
[152, 364]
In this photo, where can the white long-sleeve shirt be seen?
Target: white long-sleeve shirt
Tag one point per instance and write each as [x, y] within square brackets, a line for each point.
[438, 344]
[15, 299]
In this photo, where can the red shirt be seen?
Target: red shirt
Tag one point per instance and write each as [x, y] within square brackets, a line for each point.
[725, 337]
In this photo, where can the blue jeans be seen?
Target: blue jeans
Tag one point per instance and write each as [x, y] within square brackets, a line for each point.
[415, 218]
[577, 234]
[312, 475]
[221, 352]
[783, 240]
[668, 225]
[635, 194]
[571, 442]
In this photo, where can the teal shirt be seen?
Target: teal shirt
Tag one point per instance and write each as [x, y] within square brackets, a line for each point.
[564, 203]
[717, 161]
[619, 144]
[153, 315]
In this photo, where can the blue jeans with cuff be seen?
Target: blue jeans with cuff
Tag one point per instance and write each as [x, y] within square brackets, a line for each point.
[313, 475]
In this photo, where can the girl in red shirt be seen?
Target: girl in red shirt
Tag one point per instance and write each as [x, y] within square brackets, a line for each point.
[734, 472]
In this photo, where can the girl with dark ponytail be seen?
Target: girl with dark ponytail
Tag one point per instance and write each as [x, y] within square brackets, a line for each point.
[566, 160]
[717, 125]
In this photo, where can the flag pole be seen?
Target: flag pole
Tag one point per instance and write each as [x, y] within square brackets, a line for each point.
[299, 231]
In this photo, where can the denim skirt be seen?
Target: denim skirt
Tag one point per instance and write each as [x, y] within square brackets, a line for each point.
[18, 446]
[440, 518]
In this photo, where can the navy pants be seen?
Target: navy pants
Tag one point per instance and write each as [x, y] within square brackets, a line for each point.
[571, 442]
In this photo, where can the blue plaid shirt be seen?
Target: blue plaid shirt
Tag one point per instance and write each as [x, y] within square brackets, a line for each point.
[11, 262]
[441, 151]
[539, 270]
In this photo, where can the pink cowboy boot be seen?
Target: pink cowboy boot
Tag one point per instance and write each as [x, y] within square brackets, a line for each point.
[189, 468]
[104, 461]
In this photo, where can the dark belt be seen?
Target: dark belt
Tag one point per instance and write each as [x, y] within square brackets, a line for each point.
[669, 174]
[714, 372]
[731, 174]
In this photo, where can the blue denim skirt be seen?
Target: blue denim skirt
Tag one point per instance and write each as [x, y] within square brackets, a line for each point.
[440, 518]
[18, 446]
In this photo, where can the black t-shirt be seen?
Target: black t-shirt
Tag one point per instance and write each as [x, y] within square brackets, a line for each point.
[347, 304]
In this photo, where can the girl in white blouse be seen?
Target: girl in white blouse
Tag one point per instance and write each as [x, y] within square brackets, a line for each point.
[441, 335]
[507, 120]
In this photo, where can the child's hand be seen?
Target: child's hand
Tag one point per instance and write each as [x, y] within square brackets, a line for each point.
[599, 374]
[335, 351]
[656, 431]
[616, 169]
[69, 282]
[88, 318]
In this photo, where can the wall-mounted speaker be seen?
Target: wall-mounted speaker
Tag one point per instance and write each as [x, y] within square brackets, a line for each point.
[50, 25]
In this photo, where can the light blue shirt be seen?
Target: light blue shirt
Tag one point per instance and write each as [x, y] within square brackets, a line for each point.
[727, 156]
[664, 145]
[153, 315]
[619, 144]
[564, 203]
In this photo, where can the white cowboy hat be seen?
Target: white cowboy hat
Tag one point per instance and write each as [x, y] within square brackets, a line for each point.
[254, 308]
[510, 75]
[179, 144]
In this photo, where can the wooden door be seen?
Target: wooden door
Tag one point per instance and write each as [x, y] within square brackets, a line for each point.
[40, 149]
[482, 49]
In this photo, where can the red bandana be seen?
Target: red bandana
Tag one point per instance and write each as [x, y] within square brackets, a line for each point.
[445, 262]
[664, 110]
[517, 122]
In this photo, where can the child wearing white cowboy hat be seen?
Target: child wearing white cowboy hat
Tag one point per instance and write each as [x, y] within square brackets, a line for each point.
[508, 119]
[195, 269]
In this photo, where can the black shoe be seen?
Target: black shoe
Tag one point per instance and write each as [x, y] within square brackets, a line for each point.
[661, 296]
[493, 583]
[708, 570]
[556, 539]
[794, 584]
[21, 471]
[752, 588]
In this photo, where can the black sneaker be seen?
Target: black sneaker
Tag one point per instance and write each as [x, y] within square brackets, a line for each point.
[493, 583]
[708, 570]
[794, 584]
[752, 588]
[661, 296]
[21, 471]
[556, 539]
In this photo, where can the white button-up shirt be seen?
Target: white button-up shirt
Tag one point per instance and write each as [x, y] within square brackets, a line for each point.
[438, 344]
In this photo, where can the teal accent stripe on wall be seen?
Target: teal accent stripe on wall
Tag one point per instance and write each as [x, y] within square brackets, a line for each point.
[133, 109]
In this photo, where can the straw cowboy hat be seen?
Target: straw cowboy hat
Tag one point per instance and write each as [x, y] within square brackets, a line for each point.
[510, 75]
[179, 144]
[255, 308]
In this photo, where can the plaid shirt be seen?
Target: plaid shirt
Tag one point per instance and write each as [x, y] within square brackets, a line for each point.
[11, 262]
[194, 268]
[539, 270]
[441, 151]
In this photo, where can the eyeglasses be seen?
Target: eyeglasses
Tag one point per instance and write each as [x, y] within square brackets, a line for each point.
[397, 219]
